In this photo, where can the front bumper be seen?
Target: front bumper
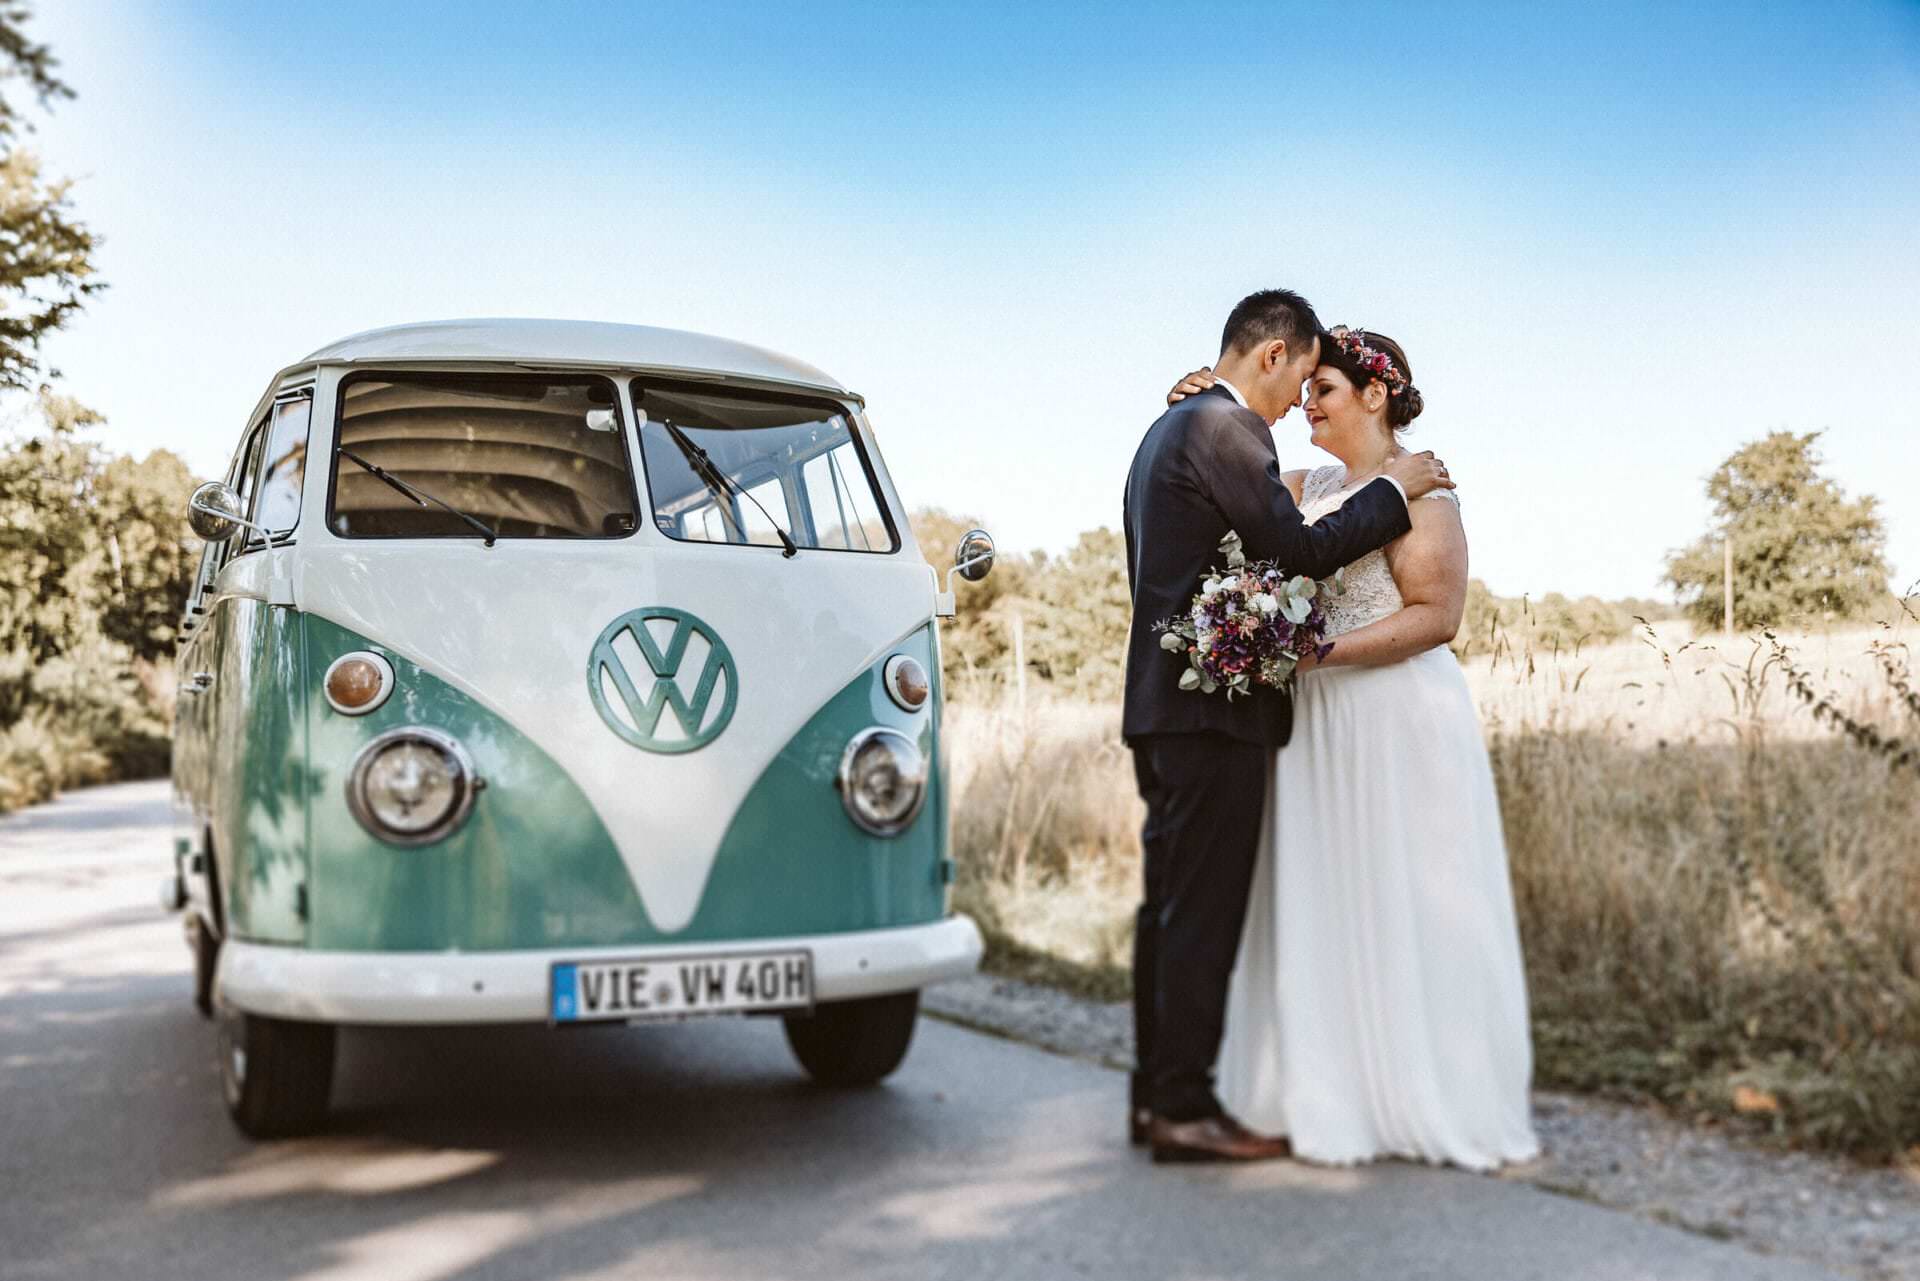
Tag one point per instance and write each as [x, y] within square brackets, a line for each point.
[511, 987]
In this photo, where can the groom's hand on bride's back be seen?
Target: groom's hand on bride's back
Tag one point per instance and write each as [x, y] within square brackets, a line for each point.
[1192, 385]
[1419, 474]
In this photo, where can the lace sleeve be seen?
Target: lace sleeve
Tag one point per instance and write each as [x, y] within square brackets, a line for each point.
[1318, 483]
[1448, 494]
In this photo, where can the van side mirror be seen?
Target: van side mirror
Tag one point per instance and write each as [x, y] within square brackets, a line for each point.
[971, 560]
[214, 512]
[974, 558]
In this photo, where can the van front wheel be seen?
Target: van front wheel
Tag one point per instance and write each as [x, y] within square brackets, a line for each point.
[854, 1042]
[276, 1074]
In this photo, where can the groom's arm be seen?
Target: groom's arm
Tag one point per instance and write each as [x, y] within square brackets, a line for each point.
[1243, 480]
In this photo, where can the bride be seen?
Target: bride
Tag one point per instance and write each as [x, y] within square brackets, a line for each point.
[1378, 1004]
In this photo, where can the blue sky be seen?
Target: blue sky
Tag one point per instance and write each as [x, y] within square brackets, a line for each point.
[1616, 241]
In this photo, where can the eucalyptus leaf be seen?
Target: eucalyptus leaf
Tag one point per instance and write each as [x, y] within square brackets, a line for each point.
[1190, 679]
[1296, 610]
[1172, 642]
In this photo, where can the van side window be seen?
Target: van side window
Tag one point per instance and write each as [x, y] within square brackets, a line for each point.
[284, 467]
[246, 469]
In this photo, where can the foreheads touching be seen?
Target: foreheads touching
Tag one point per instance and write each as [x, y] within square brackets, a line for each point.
[1269, 346]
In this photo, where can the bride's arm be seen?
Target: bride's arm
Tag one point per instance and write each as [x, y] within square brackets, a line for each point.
[1429, 567]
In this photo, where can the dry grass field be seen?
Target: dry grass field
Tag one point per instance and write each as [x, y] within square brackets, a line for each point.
[1719, 892]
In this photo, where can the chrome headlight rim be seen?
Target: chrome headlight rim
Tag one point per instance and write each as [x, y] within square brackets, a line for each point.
[467, 783]
[843, 781]
[387, 681]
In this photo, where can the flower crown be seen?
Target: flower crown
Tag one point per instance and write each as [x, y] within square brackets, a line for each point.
[1353, 345]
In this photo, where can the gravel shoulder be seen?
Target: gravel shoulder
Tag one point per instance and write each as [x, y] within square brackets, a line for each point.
[1846, 1216]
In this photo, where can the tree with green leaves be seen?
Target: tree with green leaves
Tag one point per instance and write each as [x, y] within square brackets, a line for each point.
[1802, 549]
[46, 256]
[95, 566]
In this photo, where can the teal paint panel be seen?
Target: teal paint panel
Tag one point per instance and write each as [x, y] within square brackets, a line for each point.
[792, 862]
[533, 866]
[259, 781]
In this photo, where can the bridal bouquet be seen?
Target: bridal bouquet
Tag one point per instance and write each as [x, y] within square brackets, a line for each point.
[1248, 628]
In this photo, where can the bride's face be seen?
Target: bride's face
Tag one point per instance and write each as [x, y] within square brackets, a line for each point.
[1341, 417]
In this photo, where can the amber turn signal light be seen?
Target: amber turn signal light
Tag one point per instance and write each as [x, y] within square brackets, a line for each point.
[907, 682]
[357, 683]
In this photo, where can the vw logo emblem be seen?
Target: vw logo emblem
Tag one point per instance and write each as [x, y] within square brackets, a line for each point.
[666, 685]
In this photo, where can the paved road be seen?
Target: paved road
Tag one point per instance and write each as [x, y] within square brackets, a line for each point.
[693, 1151]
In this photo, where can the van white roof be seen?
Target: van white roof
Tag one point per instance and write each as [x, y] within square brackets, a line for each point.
[572, 342]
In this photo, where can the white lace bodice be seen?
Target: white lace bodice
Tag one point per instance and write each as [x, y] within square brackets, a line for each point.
[1371, 594]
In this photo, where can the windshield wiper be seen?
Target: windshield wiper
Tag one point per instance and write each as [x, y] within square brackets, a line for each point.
[419, 496]
[721, 483]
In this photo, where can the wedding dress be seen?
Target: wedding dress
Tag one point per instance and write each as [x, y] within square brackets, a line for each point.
[1378, 1005]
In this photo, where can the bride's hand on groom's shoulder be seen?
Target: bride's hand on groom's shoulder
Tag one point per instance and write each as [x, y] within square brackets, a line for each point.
[1419, 474]
[1192, 385]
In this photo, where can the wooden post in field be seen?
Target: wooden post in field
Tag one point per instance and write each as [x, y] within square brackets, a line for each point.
[1727, 543]
[1019, 664]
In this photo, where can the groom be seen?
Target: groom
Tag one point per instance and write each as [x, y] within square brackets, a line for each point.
[1205, 467]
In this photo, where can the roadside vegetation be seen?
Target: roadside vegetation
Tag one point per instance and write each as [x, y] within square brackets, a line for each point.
[95, 564]
[94, 558]
[1718, 891]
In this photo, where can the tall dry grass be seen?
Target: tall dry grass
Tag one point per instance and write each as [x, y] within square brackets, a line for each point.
[1719, 894]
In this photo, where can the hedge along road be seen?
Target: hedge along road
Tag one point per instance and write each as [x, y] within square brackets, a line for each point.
[687, 1151]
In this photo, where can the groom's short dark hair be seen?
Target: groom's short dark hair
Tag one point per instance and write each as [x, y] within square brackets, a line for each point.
[1269, 315]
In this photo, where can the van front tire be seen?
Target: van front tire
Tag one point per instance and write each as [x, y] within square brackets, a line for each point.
[276, 1074]
[854, 1042]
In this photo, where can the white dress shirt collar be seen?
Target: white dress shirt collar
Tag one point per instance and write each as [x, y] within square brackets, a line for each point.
[1232, 390]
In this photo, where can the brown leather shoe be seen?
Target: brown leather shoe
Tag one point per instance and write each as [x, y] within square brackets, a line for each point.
[1213, 1138]
[1139, 1120]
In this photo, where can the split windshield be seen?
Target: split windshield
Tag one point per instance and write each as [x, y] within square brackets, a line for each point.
[525, 455]
[798, 460]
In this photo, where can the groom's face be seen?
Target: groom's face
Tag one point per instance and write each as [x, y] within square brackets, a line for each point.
[1284, 373]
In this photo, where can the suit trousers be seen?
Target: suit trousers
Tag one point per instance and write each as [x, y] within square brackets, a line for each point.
[1205, 795]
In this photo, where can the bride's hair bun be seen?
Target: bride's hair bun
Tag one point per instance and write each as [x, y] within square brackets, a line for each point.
[1405, 407]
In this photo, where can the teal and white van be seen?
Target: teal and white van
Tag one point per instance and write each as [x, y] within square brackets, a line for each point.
[558, 672]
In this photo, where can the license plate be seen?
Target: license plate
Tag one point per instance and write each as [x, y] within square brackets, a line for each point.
[682, 986]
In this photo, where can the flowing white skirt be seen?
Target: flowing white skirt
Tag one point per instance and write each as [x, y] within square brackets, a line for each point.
[1378, 1006]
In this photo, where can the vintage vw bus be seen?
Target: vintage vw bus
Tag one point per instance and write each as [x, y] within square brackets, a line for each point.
[558, 672]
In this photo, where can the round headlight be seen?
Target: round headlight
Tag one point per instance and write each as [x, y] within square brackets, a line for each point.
[906, 682]
[411, 786]
[357, 683]
[883, 780]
